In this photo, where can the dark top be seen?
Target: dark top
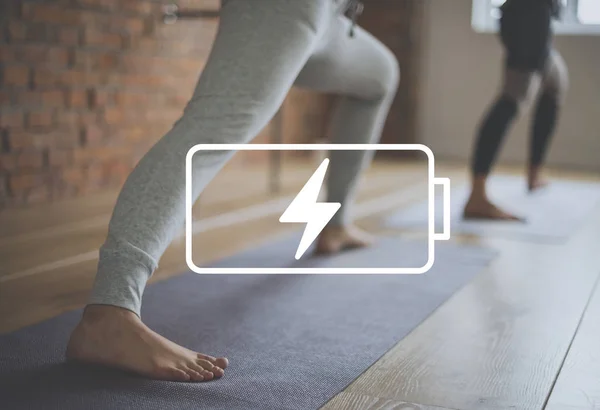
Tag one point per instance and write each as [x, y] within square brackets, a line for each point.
[555, 7]
[526, 32]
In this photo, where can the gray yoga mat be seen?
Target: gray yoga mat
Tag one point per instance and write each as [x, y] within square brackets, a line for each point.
[294, 341]
[552, 214]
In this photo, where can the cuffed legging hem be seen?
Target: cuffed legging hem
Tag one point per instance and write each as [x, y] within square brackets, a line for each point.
[121, 279]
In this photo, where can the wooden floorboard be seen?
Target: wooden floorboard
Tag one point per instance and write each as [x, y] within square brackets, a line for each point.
[353, 401]
[578, 384]
[499, 343]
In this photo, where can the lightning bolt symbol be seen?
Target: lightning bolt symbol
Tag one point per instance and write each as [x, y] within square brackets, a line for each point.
[305, 209]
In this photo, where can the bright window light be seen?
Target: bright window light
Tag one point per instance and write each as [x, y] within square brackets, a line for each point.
[580, 17]
[588, 11]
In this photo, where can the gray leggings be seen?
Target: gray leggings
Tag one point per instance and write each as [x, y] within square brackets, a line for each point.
[262, 48]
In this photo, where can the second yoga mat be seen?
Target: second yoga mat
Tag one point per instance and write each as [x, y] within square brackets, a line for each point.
[293, 342]
[552, 214]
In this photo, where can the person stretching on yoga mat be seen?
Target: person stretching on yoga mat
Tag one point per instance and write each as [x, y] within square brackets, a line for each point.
[531, 64]
[262, 48]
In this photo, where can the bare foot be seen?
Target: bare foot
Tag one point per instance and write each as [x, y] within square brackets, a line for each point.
[335, 239]
[484, 209]
[116, 337]
[537, 185]
[535, 181]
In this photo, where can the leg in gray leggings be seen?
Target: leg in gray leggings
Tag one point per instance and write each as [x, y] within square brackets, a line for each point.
[262, 48]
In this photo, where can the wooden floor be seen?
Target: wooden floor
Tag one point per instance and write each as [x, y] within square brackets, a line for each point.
[523, 335]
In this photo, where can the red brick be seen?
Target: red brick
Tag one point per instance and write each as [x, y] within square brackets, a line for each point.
[57, 56]
[38, 140]
[35, 53]
[145, 45]
[21, 183]
[5, 99]
[135, 25]
[74, 176]
[48, 98]
[40, 119]
[11, 119]
[93, 135]
[124, 98]
[96, 60]
[68, 36]
[95, 37]
[133, 133]
[14, 75]
[100, 98]
[99, 4]
[51, 13]
[113, 116]
[30, 159]
[46, 77]
[144, 80]
[95, 154]
[90, 118]
[136, 6]
[77, 98]
[106, 61]
[134, 63]
[59, 158]
[7, 53]
[68, 119]
[17, 30]
[8, 162]
[42, 55]
[73, 78]
[3, 187]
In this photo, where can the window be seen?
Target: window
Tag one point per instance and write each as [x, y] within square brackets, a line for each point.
[580, 17]
[588, 11]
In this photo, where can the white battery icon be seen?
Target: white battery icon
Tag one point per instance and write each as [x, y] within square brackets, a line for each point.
[432, 183]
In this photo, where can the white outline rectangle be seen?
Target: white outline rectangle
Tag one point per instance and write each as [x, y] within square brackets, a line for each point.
[432, 181]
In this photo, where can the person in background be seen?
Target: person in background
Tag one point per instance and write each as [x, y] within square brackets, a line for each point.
[532, 67]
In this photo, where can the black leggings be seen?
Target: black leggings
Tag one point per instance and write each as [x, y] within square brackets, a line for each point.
[495, 126]
[526, 36]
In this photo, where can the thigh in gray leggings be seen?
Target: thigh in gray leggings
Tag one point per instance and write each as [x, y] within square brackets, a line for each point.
[261, 49]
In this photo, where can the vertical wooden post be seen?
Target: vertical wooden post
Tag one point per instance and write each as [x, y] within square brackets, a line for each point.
[275, 157]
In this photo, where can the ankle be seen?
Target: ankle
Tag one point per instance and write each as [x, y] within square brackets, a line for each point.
[534, 171]
[93, 314]
[335, 229]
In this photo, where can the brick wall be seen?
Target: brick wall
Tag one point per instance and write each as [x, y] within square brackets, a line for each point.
[87, 86]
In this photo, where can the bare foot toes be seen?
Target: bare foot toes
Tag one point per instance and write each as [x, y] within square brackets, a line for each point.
[116, 337]
[485, 210]
[336, 239]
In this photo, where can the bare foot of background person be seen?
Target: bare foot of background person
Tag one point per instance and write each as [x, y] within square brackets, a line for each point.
[335, 239]
[480, 208]
[535, 180]
[116, 337]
